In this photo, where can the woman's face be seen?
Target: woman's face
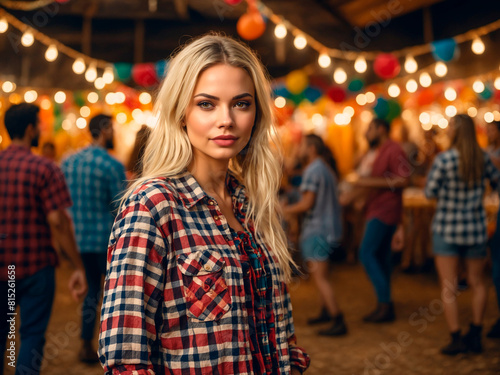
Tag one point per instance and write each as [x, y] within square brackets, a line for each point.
[221, 114]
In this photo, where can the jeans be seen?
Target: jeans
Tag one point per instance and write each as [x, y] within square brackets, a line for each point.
[376, 257]
[495, 259]
[34, 296]
[95, 269]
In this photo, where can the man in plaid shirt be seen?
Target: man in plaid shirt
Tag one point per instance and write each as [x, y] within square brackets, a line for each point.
[95, 180]
[33, 199]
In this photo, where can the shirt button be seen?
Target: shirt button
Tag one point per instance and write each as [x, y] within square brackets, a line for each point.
[280, 317]
[207, 267]
[210, 202]
[216, 218]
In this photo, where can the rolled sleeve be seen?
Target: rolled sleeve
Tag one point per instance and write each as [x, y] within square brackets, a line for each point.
[492, 173]
[310, 182]
[133, 291]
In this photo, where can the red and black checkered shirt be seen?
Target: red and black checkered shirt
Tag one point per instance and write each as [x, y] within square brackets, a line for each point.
[30, 187]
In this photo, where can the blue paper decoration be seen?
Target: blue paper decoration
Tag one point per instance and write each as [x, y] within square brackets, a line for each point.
[444, 49]
[312, 94]
[161, 68]
[381, 108]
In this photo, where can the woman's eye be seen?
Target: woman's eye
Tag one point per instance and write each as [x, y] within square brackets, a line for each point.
[242, 104]
[205, 105]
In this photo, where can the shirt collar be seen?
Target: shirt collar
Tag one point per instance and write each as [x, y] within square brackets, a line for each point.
[191, 192]
[18, 148]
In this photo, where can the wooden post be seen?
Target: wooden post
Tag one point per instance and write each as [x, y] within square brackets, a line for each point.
[428, 33]
[139, 41]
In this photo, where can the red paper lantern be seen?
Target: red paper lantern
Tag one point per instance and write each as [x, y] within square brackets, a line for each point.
[232, 2]
[426, 97]
[61, 1]
[386, 65]
[496, 96]
[251, 25]
[337, 94]
[145, 74]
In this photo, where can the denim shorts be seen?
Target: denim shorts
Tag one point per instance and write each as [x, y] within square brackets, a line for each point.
[316, 248]
[443, 248]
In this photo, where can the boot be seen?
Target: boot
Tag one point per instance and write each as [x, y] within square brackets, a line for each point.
[382, 314]
[472, 339]
[494, 332]
[87, 354]
[323, 317]
[456, 345]
[338, 328]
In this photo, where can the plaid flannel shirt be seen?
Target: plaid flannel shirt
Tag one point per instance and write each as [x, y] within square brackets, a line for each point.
[30, 187]
[174, 299]
[460, 216]
[95, 180]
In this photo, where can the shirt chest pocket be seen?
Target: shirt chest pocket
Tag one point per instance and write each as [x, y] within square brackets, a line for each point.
[206, 292]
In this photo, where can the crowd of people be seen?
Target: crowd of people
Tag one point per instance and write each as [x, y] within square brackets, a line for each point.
[194, 255]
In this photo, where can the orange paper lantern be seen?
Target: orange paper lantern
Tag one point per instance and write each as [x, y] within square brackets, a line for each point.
[251, 25]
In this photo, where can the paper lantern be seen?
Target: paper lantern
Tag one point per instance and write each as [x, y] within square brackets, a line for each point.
[381, 108]
[232, 2]
[312, 94]
[281, 90]
[298, 98]
[145, 74]
[296, 81]
[496, 96]
[251, 25]
[394, 110]
[161, 68]
[386, 65]
[78, 98]
[486, 94]
[122, 71]
[444, 49]
[355, 85]
[425, 97]
[337, 94]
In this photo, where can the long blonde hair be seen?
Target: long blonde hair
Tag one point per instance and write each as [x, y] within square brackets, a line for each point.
[168, 152]
[471, 156]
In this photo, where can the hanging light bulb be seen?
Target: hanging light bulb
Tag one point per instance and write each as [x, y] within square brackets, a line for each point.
[145, 98]
[79, 66]
[478, 86]
[300, 42]
[99, 83]
[91, 73]
[477, 46]
[425, 79]
[411, 85]
[441, 69]
[280, 31]
[108, 75]
[497, 83]
[8, 86]
[51, 53]
[360, 64]
[60, 97]
[324, 60]
[27, 39]
[4, 25]
[411, 65]
[394, 90]
[30, 96]
[339, 76]
[450, 94]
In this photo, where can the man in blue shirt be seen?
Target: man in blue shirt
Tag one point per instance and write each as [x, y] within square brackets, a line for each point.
[322, 227]
[95, 180]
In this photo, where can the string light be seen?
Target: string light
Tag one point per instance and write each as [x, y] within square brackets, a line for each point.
[394, 90]
[425, 79]
[489, 117]
[478, 86]
[339, 76]
[45, 104]
[85, 111]
[478, 46]
[280, 31]
[27, 39]
[497, 83]
[370, 97]
[30, 96]
[119, 97]
[324, 60]
[92, 97]
[443, 123]
[440, 69]
[91, 73]
[411, 86]
[51, 53]
[450, 94]
[81, 123]
[424, 118]
[360, 65]
[121, 118]
[300, 42]
[8, 86]
[108, 75]
[348, 111]
[60, 97]
[450, 111]
[110, 98]
[4, 25]
[411, 65]
[145, 98]
[472, 111]
[79, 66]
[99, 83]
[361, 99]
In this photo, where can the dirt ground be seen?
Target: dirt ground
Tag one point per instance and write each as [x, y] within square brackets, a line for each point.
[408, 346]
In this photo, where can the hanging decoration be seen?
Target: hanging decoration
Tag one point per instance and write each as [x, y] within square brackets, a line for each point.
[444, 49]
[386, 65]
[296, 81]
[251, 25]
[144, 74]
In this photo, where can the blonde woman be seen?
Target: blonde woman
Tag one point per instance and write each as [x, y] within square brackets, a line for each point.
[197, 257]
[457, 180]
